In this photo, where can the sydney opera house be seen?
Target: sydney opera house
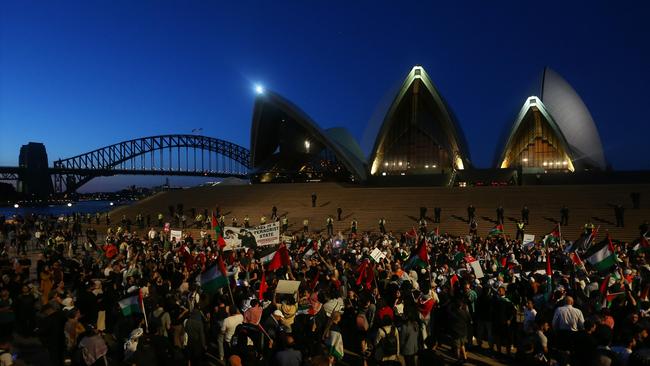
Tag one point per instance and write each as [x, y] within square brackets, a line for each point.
[420, 140]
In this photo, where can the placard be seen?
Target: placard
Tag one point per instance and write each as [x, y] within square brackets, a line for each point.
[241, 237]
[478, 271]
[529, 240]
[377, 255]
[287, 287]
[178, 234]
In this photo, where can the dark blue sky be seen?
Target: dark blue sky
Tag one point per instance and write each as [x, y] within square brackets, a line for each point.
[81, 75]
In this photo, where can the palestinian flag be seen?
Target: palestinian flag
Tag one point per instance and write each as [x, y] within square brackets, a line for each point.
[421, 257]
[334, 344]
[605, 257]
[642, 246]
[497, 230]
[411, 233]
[215, 225]
[131, 305]
[575, 258]
[213, 278]
[553, 236]
[266, 259]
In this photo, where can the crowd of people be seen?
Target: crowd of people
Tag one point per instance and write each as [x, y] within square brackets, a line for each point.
[365, 298]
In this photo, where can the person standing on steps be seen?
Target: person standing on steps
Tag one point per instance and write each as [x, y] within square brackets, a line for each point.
[520, 230]
[382, 226]
[247, 222]
[470, 213]
[339, 212]
[436, 213]
[313, 199]
[285, 223]
[524, 214]
[353, 226]
[423, 212]
[305, 226]
[564, 216]
[500, 215]
[330, 226]
[274, 213]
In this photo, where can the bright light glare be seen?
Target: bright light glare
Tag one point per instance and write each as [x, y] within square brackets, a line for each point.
[307, 145]
[111, 204]
[16, 205]
[259, 89]
[69, 204]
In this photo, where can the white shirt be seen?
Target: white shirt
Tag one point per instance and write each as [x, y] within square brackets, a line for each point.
[529, 319]
[230, 324]
[568, 318]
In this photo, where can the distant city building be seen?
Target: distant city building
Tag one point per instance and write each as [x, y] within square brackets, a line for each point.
[553, 132]
[34, 181]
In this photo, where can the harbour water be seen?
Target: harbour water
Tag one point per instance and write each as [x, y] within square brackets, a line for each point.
[82, 207]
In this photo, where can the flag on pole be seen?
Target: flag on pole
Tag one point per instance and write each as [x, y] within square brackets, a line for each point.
[280, 258]
[575, 258]
[215, 225]
[131, 305]
[263, 286]
[642, 246]
[214, 277]
[335, 344]
[421, 257]
[496, 230]
[605, 257]
[412, 233]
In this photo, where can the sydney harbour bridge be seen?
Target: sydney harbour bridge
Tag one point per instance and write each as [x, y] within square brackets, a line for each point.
[179, 155]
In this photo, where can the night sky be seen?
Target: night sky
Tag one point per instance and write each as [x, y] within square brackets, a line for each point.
[82, 75]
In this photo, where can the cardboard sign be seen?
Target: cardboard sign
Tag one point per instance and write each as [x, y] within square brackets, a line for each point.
[529, 240]
[178, 234]
[287, 287]
[239, 237]
[476, 267]
[377, 255]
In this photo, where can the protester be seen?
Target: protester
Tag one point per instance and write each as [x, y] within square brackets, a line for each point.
[174, 301]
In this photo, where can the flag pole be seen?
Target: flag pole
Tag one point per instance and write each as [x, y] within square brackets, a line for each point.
[144, 312]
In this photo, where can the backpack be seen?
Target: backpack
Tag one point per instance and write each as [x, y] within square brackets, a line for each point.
[389, 344]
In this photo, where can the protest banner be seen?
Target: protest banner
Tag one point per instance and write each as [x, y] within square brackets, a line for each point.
[241, 237]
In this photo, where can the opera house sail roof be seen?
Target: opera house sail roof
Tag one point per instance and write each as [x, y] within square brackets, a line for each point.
[553, 131]
[419, 134]
[288, 146]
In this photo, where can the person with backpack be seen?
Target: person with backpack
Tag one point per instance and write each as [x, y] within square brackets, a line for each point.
[387, 343]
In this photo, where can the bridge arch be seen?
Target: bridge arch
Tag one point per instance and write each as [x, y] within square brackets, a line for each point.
[154, 155]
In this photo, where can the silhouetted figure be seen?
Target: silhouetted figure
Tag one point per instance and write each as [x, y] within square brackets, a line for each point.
[524, 214]
[330, 226]
[520, 230]
[436, 213]
[643, 228]
[500, 215]
[274, 213]
[313, 199]
[305, 226]
[353, 226]
[636, 200]
[247, 221]
[473, 226]
[382, 225]
[564, 216]
[285, 223]
[619, 211]
[423, 226]
[339, 212]
[470, 213]
[423, 212]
